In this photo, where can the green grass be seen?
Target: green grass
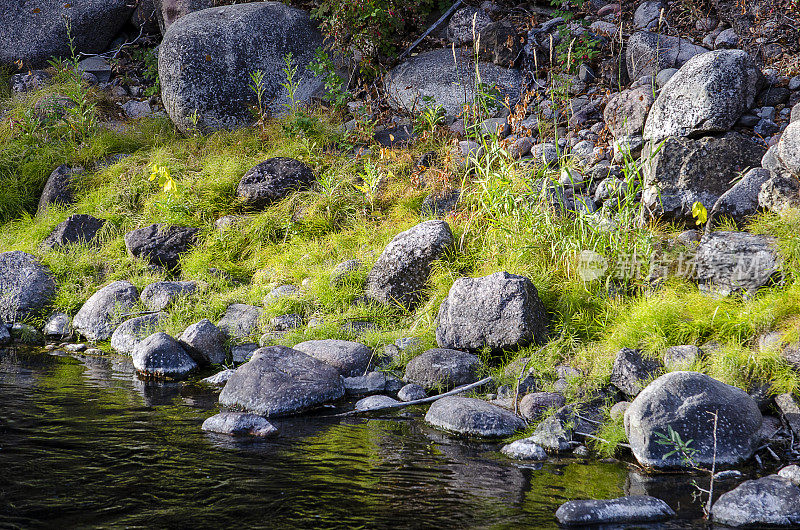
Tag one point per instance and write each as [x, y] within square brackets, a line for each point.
[505, 223]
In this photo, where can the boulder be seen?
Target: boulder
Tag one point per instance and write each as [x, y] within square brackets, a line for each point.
[465, 24]
[273, 180]
[626, 111]
[349, 358]
[681, 357]
[75, 229]
[741, 201]
[554, 434]
[161, 245]
[681, 171]
[133, 331]
[647, 14]
[440, 368]
[434, 78]
[708, 94]
[26, 334]
[684, 402]
[788, 149]
[779, 193]
[500, 311]
[411, 392]
[374, 402]
[102, 312]
[769, 502]
[524, 449]
[168, 11]
[205, 343]
[26, 286]
[473, 417]
[635, 509]
[279, 381]
[402, 270]
[729, 262]
[58, 326]
[648, 53]
[159, 295]
[206, 58]
[240, 321]
[239, 424]
[631, 370]
[159, 355]
[533, 405]
[364, 385]
[791, 473]
[34, 33]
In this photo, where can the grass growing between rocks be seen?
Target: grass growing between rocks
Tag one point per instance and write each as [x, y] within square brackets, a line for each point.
[506, 222]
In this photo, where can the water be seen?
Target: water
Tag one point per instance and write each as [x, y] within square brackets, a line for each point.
[85, 443]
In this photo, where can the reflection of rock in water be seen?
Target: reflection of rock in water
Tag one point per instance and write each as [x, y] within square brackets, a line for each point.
[98, 370]
[476, 474]
[156, 392]
[673, 488]
[20, 366]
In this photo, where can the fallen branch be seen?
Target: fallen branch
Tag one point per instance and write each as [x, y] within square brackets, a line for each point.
[429, 30]
[453, 392]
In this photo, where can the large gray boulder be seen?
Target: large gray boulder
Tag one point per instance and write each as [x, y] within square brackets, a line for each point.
[741, 201]
[779, 193]
[26, 286]
[33, 33]
[788, 149]
[161, 245]
[626, 111]
[205, 342]
[636, 509]
[239, 424]
[75, 229]
[159, 295]
[402, 270]
[159, 355]
[349, 358]
[729, 262]
[443, 369]
[448, 83]
[103, 311]
[240, 321]
[631, 370]
[278, 381]
[648, 53]
[135, 330]
[500, 311]
[708, 94]
[684, 401]
[681, 171]
[206, 58]
[473, 417]
[769, 502]
[273, 180]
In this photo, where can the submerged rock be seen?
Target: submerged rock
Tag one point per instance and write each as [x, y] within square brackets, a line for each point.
[473, 417]
[624, 510]
[525, 449]
[441, 368]
[769, 502]
[374, 402]
[239, 424]
[279, 381]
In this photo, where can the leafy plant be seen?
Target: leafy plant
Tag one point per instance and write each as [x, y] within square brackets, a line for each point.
[292, 83]
[699, 213]
[148, 58]
[429, 118]
[162, 176]
[256, 85]
[322, 66]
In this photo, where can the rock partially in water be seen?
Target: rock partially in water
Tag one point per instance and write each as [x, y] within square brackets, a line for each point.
[351, 359]
[240, 321]
[99, 316]
[26, 286]
[273, 180]
[441, 368]
[473, 417]
[205, 342]
[159, 355]
[500, 311]
[239, 424]
[525, 449]
[554, 434]
[683, 401]
[220, 378]
[769, 502]
[624, 510]
[279, 381]
[374, 402]
[133, 331]
[363, 385]
[159, 295]
[402, 270]
[58, 326]
[411, 392]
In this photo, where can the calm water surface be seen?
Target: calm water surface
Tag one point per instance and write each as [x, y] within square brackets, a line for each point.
[85, 443]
